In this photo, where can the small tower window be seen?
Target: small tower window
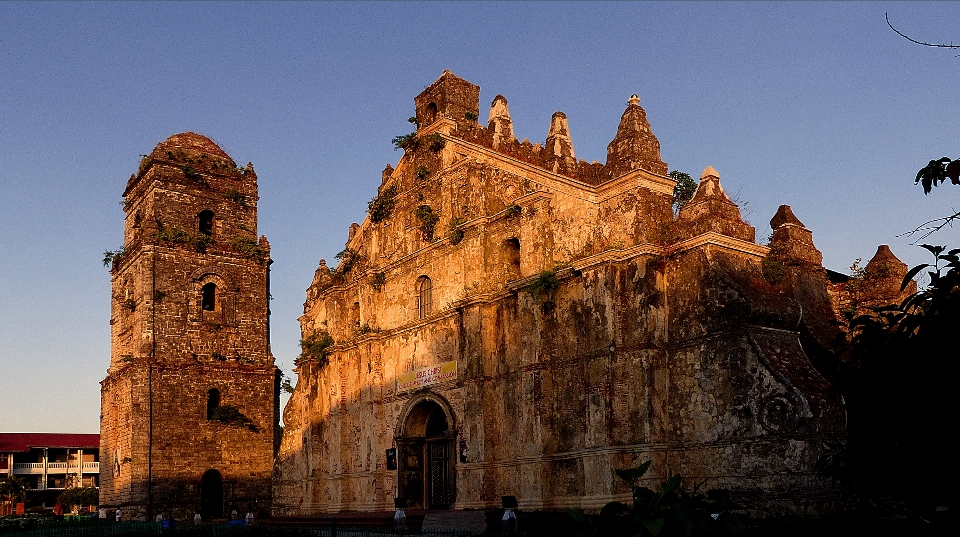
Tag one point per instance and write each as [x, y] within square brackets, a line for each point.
[213, 402]
[208, 300]
[424, 296]
[431, 113]
[205, 224]
[511, 250]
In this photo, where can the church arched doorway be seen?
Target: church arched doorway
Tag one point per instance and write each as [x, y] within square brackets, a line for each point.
[211, 495]
[425, 462]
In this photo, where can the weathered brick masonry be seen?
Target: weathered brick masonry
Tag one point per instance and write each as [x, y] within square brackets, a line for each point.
[189, 322]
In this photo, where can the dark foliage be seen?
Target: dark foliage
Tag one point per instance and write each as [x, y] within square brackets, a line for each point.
[669, 511]
[684, 189]
[898, 386]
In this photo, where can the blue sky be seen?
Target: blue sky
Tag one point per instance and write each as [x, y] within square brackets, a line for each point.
[815, 105]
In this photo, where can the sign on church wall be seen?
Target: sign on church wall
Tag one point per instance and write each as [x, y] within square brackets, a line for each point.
[426, 376]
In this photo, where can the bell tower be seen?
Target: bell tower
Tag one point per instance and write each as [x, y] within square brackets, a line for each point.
[190, 403]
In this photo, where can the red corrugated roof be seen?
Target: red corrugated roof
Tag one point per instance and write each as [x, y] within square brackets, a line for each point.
[18, 442]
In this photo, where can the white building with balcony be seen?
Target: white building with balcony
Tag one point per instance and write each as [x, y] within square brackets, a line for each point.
[50, 461]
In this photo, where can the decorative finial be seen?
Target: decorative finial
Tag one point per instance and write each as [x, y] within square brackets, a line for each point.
[634, 100]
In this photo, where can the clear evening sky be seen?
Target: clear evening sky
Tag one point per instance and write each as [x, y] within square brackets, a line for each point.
[816, 105]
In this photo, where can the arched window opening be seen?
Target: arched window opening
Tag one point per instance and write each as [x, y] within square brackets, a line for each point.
[205, 222]
[511, 250]
[431, 113]
[426, 465]
[213, 402]
[208, 300]
[424, 296]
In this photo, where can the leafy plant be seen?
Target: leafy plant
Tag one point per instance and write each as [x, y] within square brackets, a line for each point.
[422, 172]
[470, 116]
[455, 232]
[413, 119]
[348, 258]
[366, 329]
[199, 241]
[381, 206]
[113, 257]
[407, 142]
[544, 288]
[437, 143]
[130, 304]
[190, 173]
[79, 496]
[236, 197]
[218, 357]
[684, 189]
[378, 281]
[287, 386]
[13, 488]
[315, 347]
[249, 248]
[428, 221]
[144, 164]
[669, 511]
[773, 270]
[513, 211]
[230, 415]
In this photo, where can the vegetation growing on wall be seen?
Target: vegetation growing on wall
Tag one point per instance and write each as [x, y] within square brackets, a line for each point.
[315, 347]
[199, 241]
[248, 248]
[427, 220]
[112, 258]
[684, 189]
[513, 211]
[544, 289]
[412, 142]
[348, 258]
[236, 197]
[381, 206]
[455, 232]
[378, 281]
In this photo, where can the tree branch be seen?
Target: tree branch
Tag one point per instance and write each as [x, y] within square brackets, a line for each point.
[912, 40]
[931, 226]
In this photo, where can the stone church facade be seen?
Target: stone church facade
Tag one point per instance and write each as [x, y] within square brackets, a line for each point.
[190, 405]
[510, 320]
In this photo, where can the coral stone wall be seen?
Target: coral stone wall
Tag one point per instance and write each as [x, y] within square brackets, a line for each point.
[589, 329]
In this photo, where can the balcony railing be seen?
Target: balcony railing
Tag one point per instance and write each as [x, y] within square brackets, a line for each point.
[28, 467]
[55, 467]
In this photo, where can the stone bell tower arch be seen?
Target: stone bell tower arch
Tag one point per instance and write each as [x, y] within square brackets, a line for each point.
[192, 390]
